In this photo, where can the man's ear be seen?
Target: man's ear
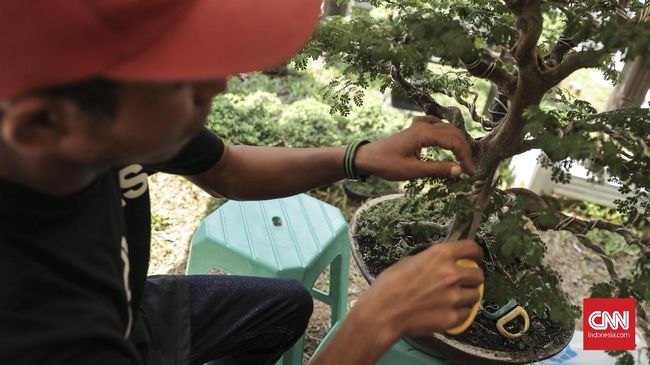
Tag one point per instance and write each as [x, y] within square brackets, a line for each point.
[33, 125]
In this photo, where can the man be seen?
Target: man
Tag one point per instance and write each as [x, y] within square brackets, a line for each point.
[94, 96]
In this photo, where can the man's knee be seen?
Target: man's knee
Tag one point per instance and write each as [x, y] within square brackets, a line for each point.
[299, 299]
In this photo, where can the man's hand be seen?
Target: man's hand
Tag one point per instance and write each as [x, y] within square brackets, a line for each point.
[398, 157]
[420, 295]
[427, 292]
[255, 173]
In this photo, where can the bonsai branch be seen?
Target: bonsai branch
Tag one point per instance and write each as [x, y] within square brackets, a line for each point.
[563, 45]
[499, 108]
[471, 107]
[422, 224]
[530, 25]
[621, 11]
[577, 225]
[624, 137]
[466, 225]
[428, 104]
[526, 146]
[493, 72]
[609, 263]
[499, 266]
[569, 224]
[572, 63]
[627, 137]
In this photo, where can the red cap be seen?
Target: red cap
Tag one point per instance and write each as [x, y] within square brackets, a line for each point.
[55, 42]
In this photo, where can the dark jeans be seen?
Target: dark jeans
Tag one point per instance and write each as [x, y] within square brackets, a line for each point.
[233, 319]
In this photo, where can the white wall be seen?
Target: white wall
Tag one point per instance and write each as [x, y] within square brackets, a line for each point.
[531, 175]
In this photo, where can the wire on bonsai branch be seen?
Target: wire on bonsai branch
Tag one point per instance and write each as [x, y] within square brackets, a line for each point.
[428, 104]
[586, 242]
[493, 72]
[575, 224]
[563, 45]
[499, 109]
[471, 107]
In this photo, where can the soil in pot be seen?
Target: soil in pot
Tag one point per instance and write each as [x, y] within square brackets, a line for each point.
[382, 240]
[372, 188]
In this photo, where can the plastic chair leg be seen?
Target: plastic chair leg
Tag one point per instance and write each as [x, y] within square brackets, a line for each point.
[339, 287]
[294, 355]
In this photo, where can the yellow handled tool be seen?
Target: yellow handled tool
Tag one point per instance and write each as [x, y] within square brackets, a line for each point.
[465, 263]
[517, 312]
[467, 229]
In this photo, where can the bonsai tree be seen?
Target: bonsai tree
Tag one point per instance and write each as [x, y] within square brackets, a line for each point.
[437, 52]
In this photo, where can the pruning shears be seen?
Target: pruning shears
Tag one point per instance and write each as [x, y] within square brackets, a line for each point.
[506, 314]
[467, 229]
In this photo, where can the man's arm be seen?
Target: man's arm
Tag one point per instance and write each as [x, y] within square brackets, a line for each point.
[422, 294]
[252, 173]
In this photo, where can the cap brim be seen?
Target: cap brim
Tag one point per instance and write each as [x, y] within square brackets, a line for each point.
[217, 38]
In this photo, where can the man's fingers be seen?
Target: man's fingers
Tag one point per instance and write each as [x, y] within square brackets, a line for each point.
[471, 278]
[466, 249]
[446, 169]
[462, 314]
[460, 148]
[452, 139]
[427, 119]
[468, 297]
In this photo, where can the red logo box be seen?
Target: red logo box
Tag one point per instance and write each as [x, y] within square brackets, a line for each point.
[609, 323]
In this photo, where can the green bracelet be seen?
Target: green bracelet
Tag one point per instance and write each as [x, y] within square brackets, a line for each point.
[348, 161]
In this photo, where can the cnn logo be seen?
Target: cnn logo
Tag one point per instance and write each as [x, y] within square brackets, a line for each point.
[608, 323]
[602, 320]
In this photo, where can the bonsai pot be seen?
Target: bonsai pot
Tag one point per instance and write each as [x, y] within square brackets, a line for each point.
[373, 188]
[457, 348]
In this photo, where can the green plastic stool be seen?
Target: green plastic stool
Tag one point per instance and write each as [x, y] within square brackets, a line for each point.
[296, 237]
[401, 353]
